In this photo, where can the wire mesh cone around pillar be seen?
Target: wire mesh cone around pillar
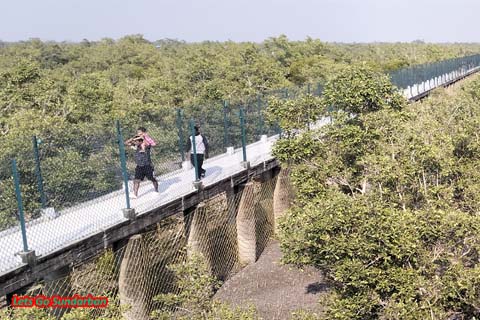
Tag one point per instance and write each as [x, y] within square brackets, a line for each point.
[264, 218]
[283, 193]
[220, 236]
[246, 219]
[165, 247]
[131, 282]
[197, 236]
[223, 235]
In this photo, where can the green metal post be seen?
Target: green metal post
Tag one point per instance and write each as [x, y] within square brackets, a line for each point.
[180, 133]
[18, 194]
[244, 142]
[194, 149]
[308, 88]
[123, 161]
[285, 92]
[38, 172]
[226, 140]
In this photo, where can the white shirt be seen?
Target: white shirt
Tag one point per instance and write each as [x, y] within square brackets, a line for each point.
[199, 145]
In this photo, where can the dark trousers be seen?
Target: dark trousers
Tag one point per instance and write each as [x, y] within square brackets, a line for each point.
[200, 163]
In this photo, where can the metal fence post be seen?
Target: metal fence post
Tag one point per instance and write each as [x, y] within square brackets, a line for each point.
[244, 162]
[18, 195]
[128, 212]
[38, 172]
[180, 134]
[308, 88]
[27, 256]
[196, 183]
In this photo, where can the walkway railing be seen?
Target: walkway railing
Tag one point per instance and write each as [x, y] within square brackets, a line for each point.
[417, 80]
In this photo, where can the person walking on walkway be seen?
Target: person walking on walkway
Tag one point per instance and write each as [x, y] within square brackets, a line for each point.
[201, 147]
[144, 166]
[147, 141]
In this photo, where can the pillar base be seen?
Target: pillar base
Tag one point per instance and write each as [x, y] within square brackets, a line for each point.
[197, 184]
[245, 164]
[28, 257]
[230, 150]
[129, 213]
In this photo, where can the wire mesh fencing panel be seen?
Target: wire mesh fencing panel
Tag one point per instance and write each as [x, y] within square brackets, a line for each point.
[25, 163]
[446, 70]
[13, 239]
[254, 121]
[82, 183]
[81, 169]
[59, 175]
[8, 202]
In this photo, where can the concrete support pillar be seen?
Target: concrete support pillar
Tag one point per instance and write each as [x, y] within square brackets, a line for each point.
[246, 223]
[281, 196]
[131, 281]
[198, 239]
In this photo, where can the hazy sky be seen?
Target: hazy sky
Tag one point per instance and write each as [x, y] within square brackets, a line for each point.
[242, 20]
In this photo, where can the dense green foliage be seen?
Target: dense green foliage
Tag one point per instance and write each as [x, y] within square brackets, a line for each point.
[70, 94]
[388, 201]
[359, 90]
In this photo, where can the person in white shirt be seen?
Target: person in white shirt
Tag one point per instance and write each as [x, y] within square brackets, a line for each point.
[201, 146]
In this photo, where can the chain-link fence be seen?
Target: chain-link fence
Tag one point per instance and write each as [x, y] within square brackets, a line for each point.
[422, 78]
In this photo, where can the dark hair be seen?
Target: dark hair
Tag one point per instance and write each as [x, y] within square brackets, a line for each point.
[143, 129]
